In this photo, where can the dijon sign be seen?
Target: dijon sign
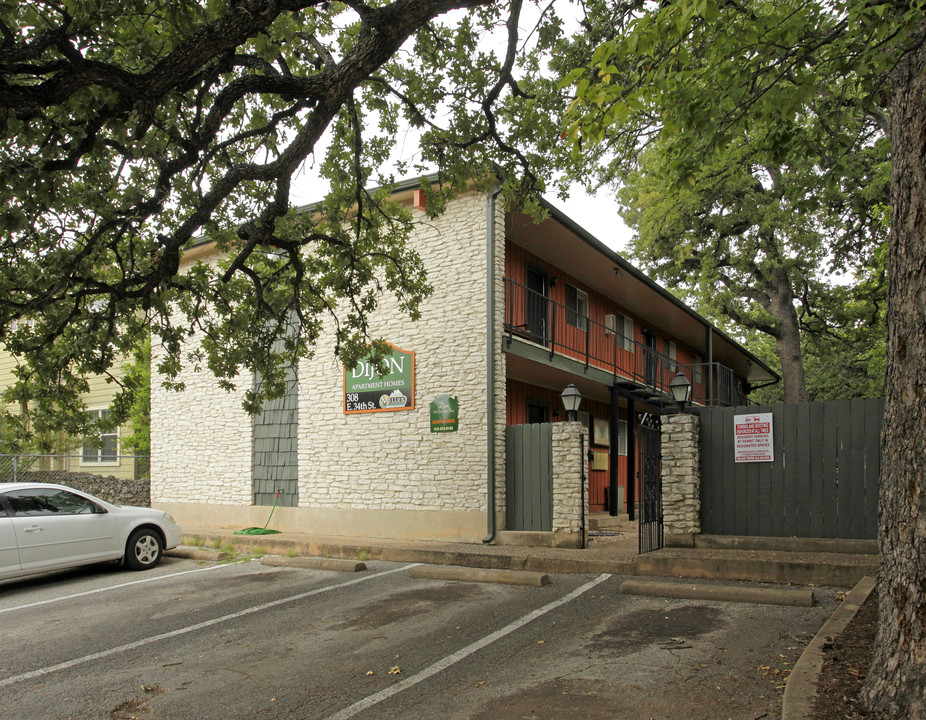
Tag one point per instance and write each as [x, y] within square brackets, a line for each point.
[365, 391]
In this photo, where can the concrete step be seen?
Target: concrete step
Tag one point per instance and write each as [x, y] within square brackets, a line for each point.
[600, 522]
[833, 569]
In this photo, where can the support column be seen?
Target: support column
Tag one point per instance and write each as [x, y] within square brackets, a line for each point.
[631, 461]
[681, 479]
[613, 453]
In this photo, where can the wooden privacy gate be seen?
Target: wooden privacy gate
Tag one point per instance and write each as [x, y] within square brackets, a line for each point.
[529, 477]
[823, 482]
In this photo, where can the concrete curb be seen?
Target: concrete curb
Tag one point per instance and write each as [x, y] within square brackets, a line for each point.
[192, 553]
[314, 563]
[466, 574]
[801, 688]
[495, 561]
[785, 544]
[781, 572]
[725, 593]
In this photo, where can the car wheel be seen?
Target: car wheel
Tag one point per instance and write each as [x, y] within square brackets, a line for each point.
[144, 549]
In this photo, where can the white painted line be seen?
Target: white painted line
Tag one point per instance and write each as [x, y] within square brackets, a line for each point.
[190, 628]
[113, 587]
[459, 655]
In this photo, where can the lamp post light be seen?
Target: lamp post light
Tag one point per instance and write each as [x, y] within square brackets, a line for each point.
[571, 398]
[681, 390]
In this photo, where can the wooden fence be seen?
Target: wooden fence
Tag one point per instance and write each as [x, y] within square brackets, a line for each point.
[823, 481]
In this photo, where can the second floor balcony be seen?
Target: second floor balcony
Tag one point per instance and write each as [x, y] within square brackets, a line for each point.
[535, 318]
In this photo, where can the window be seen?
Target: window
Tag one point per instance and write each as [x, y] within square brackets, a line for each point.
[537, 412]
[671, 352]
[621, 437]
[625, 330]
[697, 369]
[106, 449]
[576, 307]
[31, 503]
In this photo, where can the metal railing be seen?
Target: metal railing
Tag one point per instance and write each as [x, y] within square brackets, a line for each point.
[536, 318]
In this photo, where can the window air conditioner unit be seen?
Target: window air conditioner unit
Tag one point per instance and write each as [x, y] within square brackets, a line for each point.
[610, 324]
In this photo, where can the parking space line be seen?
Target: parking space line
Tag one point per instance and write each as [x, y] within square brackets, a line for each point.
[459, 655]
[192, 628]
[114, 587]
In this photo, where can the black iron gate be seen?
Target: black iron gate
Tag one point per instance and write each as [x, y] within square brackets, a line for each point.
[650, 444]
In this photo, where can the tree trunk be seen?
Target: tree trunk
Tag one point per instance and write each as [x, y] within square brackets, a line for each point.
[896, 683]
[788, 342]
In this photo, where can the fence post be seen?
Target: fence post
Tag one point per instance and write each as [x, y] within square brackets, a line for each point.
[15, 468]
[681, 479]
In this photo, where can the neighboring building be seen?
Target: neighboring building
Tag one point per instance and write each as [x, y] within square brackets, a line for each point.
[519, 311]
[104, 456]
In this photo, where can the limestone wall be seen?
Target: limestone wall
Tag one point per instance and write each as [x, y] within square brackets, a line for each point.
[569, 440]
[200, 438]
[387, 467]
[392, 460]
[681, 477]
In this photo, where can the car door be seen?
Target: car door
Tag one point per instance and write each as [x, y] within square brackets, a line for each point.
[9, 552]
[58, 528]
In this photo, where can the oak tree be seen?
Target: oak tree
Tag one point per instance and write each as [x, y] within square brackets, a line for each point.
[708, 71]
[131, 130]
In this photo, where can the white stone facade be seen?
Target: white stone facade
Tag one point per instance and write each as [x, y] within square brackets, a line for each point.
[369, 474]
[570, 478]
[681, 477]
[200, 439]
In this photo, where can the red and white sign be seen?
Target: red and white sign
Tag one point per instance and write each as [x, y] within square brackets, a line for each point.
[752, 438]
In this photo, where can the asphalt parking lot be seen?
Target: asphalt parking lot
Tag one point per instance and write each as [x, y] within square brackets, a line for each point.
[195, 640]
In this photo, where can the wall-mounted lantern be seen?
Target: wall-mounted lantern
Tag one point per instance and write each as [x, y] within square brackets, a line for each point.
[571, 398]
[681, 390]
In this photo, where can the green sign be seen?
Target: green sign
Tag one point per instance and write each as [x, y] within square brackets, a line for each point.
[444, 412]
[366, 391]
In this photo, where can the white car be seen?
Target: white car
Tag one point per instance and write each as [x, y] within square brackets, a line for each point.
[50, 527]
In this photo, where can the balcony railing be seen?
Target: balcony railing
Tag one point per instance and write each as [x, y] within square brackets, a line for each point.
[536, 318]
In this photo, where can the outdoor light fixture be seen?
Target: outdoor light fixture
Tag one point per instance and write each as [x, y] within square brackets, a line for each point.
[571, 398]
[681, 390]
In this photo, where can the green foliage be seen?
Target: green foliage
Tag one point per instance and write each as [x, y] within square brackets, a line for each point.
[134, 404]
[131, 132]
[750, 139]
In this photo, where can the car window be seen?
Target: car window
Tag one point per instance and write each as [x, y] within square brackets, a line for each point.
[42, 501]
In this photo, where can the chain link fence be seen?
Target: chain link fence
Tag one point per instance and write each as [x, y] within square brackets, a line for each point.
[125, 480]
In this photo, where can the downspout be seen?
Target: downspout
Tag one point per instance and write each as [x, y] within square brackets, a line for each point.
[490, 364]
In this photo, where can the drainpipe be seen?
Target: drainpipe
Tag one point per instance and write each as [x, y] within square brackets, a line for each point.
[490, 363]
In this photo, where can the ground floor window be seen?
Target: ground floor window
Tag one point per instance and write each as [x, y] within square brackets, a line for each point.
[104, 450]
[537, 412]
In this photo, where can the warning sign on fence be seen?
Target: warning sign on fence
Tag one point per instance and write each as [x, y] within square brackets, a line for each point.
[752, 438]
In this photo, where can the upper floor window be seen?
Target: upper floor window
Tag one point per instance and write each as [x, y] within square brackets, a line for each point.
[671, 353]
[576, 307]
[622, 327]
[625, 330]
[697, 369]
[106, 450]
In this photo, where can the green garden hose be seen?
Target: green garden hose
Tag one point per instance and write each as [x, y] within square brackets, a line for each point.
[263, 530]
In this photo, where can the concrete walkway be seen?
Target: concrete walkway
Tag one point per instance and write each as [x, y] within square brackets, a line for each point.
[614, 551]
